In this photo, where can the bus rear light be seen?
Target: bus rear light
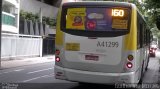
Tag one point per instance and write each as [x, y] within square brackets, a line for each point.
[130, 57]
[57, 52]
[153, 51]
[129, 65]
[57, 59]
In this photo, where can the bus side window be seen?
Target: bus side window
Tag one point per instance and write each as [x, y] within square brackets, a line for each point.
[138, 36]
[145, 34]
[141, 35]
[148, 36]
[138, 32]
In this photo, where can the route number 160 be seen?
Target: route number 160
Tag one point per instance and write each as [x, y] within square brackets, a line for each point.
[117, 12]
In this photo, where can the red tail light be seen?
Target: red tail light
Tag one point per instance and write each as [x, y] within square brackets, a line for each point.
[57, 52]
[129, 65]
[150, 50]
[153, 51]
[57, 59]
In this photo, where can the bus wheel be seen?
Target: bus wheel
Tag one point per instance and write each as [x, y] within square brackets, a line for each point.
[141, 77]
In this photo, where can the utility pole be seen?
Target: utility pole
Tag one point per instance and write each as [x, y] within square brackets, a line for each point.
[0, 31]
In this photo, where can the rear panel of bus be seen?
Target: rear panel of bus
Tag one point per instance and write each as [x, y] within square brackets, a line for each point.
[95, 37]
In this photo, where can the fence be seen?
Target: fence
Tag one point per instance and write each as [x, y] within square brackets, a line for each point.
[49, 45]
[16, 45]
[27, 27]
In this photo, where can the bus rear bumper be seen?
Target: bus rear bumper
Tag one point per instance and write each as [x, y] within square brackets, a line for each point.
[94, 77]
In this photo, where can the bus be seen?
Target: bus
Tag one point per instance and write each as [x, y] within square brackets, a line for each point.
[101, 42]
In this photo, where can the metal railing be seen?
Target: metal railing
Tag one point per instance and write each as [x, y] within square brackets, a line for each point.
[17, 45]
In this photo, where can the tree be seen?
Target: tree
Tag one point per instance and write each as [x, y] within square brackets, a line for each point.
[139, 5]
[153, 9]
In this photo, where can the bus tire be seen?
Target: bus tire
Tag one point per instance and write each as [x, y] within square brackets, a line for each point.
[141, 77]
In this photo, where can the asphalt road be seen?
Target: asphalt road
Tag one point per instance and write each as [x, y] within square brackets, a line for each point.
[41, 76]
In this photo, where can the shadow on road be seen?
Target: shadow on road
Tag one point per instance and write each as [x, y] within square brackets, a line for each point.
[93, 86]
[61, 86]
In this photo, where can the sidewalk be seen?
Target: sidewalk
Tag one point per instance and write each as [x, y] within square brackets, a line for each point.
[26, 61]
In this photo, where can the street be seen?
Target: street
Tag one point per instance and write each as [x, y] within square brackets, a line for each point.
[41, 76]
[98, 41]
[39, 73]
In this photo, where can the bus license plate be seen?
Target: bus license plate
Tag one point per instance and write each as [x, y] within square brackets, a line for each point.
[91, 57]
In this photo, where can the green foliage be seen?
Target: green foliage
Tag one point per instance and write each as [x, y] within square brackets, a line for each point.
[152, 4]
[22, 14]
[35, 18]
[154, 31]
[50, 21]
[139, 5]
[29, 16]
[153, 9]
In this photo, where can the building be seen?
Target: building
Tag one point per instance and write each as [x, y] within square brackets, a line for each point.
[46, 11]
[39, 6]
[43, 8]
[17, 42]
[10, 16]
[10, 27]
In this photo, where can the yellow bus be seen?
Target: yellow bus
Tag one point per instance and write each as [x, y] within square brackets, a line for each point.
[101, 42]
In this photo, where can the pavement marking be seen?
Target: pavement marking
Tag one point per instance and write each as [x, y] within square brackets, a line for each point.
[17, 70]
[40, 70]
[44, 76]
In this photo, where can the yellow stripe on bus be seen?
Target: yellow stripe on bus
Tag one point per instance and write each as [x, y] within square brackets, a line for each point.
[59, 33]
[131, 38]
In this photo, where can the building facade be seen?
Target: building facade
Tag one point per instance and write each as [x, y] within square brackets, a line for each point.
[10, 16]
[13, 44]
[44, 9]
[38, 6]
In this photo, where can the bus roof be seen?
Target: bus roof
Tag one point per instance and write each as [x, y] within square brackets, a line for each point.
[98, 3]
[103, 3]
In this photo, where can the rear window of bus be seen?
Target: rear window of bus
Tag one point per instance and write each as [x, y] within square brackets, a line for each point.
[95, 19]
